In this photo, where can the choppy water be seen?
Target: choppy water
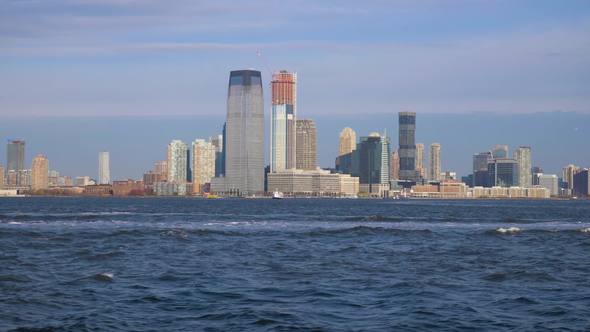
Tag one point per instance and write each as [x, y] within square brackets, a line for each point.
[76, 264]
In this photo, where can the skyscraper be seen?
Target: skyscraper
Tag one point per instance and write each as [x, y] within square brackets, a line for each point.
[419, 162]
[568, 175]
[500, 151]
[104, 171]
[161, 169]
[203, 164]
[523, 157]
[306, 145]
[347, 141]
[2, 176]
[177, 162]
[217, 142]
[407, 146]
[480, 168]
[394, 166]
[15, 155]
[282, 123]
[244, 154]
[435, 162]
[503, 172]
[372, 158]
[40, 173]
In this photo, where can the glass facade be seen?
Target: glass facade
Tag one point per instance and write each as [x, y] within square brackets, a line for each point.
[407, 146]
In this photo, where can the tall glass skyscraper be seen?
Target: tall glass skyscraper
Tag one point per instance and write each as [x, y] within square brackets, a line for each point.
[15, 155]
[104, 173]
[244, 155]
[407, 146]
[523, 157]
[282, 121]
[371, 160]
[480, 168]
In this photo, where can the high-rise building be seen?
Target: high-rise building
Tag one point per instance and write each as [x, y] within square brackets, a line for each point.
[394, 166]
[503, 172]
[372, 159]
[435, 163]
[217, 142]
[568, 175]
[549, 181]
[161, 169]
[407, 146]
[523, 157]
[40, 173]
[177, 162]
[2, 176]
[480, 169]
[346, 147]
[500, 151]
[306, 145]
[347, 141]
[419, 162]
[15, 155]
[104, 171]
[582, 183]
[283, 115]
[244, 153]
[203, 164]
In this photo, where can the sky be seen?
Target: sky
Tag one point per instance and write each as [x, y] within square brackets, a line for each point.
[134, 74]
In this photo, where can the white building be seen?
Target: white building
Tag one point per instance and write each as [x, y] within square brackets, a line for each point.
[313, 183]
[104, 170]
[523, 157]
[177, 161]
[549, 181]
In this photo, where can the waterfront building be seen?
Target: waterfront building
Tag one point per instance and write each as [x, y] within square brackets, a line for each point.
[500, 151]
[177, 161]
[15, 160]
[203, 164]
[316, 182]
[371, 160]
[441, 190]
[169, 189]
[394, 166]
[407, 146]
[244, 136]
[98, 190]
[549, 181]
[128, 188]
[104, 171]
[523, 157]
[480, 169]
[346, 147]
[581, 183]
[40, 173]
[82, 181]
[283, 141]
[217, 142]
[2, 177]
[161, 168]
[419, 162]
[306, 142]
[509, 192]
[435, 162]
[503, 172]
[568, 175]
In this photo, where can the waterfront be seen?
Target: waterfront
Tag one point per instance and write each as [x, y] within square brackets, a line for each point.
[75, 264]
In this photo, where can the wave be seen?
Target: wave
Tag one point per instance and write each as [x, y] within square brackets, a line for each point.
[585, 230]
[374, 217]
[105, 276]
[508, 230]
[363, 230]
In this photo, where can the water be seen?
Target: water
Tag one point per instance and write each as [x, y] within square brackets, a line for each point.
[153, 264]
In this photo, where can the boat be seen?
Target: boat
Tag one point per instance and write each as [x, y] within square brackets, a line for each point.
[277, 195]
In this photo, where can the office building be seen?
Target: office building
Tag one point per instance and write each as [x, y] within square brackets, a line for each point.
[40, 173]
[480, 169]
[394, 166]
[283, 117]
[434, 162]
[503, 172]
[346, 147]
[316, 182]
[217, 142]
[407, 146]
[500, 151]
[177, 162]
[372, 163]
[104, 172]
[2, 177]
[244, 136]
[306, 145]
[15, 155]
[523, 157]
[203, 164]
[419, 162]
[568, 175]
[549, 181]
[581, 183]
[161, 168]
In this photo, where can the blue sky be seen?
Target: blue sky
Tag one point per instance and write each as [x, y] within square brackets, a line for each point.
[147, 57]
[79, 76]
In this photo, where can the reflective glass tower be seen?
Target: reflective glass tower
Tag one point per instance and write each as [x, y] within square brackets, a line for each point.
[244, 154]
[282, 121]
[407, 146]
[15, 155]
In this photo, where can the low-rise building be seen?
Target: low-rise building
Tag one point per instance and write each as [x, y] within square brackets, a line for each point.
[312, 183]
[128, 188]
